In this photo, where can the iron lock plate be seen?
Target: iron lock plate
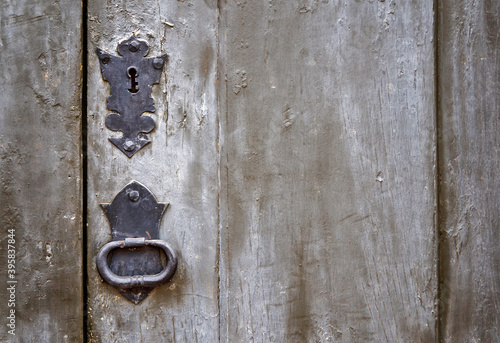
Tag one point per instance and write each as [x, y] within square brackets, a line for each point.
[131, 77]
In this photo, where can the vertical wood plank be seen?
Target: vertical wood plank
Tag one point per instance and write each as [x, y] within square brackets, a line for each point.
[328, 171]
[40, 169]
[469, 83]
[179, 166]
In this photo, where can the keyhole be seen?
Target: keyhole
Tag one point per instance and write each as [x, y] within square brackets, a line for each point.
[132, 73]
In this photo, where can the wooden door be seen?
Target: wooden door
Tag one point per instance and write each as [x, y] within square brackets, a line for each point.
[40, 172]
[330, 169]
[180, 166]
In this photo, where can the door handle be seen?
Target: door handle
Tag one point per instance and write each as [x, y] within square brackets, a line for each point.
[135, 263]
[136, 281]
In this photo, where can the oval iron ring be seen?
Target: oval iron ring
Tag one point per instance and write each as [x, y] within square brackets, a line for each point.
[135, 281]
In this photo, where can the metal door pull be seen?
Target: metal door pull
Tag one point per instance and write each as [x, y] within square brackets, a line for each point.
[135, 261]
[136, 281]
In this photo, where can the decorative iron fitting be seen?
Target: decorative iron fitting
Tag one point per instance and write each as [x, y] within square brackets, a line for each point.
[135, 264]
[131, 77]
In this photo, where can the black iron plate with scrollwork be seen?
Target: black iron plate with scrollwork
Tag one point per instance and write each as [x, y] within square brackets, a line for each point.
[131, 77]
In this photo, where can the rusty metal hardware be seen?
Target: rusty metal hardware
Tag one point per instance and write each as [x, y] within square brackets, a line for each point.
[131, 77]
[135, 261]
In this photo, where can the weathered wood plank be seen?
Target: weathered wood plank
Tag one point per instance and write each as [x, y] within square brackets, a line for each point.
[179, 167]
[40, 187]
[327, 171]
[469, 149]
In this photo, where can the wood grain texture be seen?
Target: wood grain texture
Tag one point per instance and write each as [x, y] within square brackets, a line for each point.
[469, 150]
[40, 187]
[179, 166]
[327, 171]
